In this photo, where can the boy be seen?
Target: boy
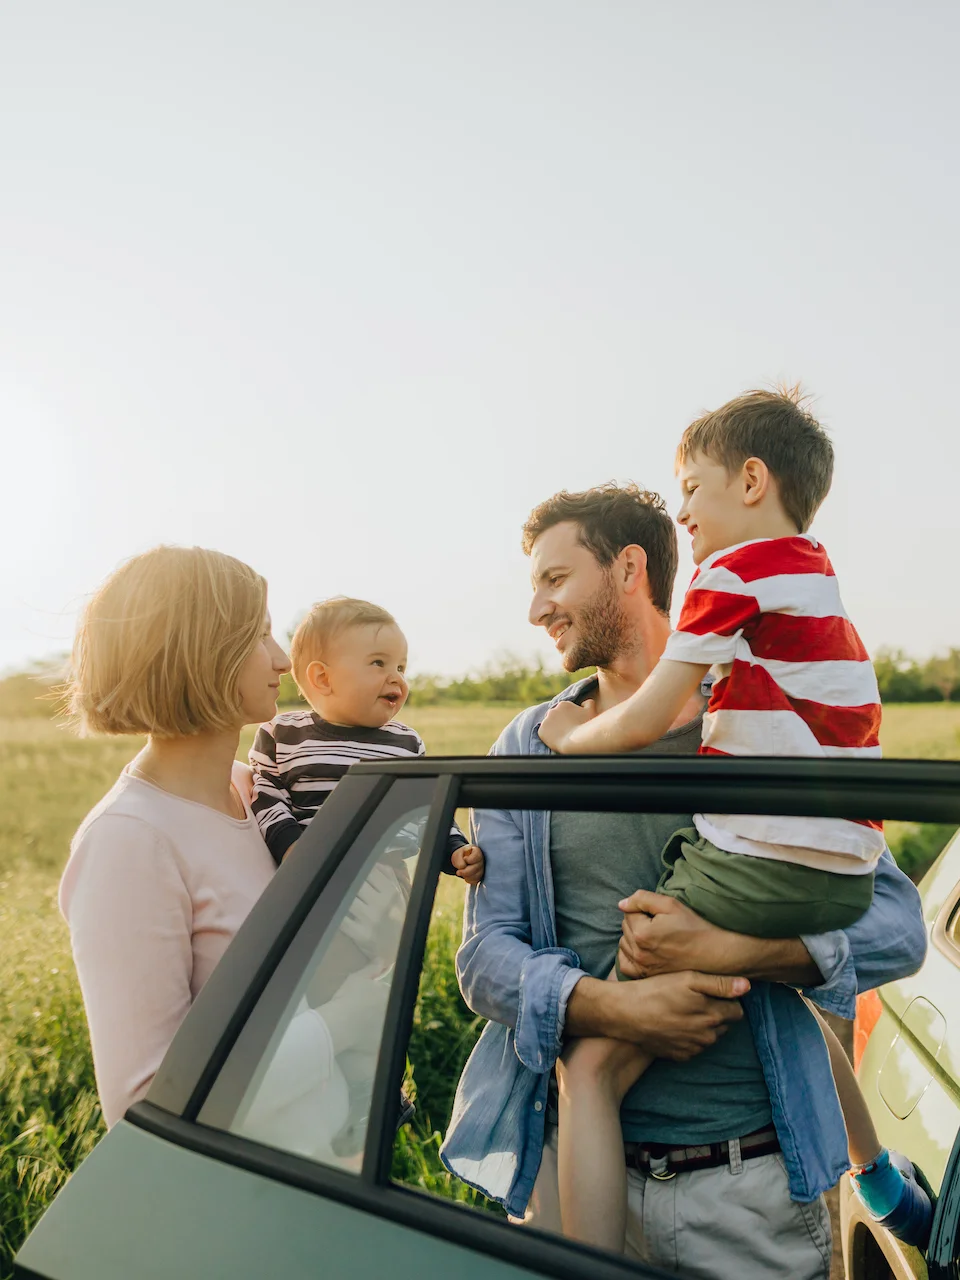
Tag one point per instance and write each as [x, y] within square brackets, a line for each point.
[792, 678]
[349, 661]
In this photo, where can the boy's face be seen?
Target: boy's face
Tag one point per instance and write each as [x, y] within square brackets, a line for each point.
[361, 681]
[712, 512]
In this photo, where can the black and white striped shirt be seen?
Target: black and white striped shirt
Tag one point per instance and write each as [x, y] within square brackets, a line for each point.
[298, 759]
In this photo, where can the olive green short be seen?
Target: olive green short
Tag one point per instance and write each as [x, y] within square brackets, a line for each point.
[758, 896]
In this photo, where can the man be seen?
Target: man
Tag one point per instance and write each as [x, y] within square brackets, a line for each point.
[735, 1132]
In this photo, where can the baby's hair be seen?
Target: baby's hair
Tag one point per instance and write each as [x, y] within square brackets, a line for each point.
[778, 428]
[160, 647]
[327, 619]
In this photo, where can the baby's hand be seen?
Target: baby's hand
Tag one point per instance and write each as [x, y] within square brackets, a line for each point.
[468, 862]
[561, 721]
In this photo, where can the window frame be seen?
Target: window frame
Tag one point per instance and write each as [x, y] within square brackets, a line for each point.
[917, 791]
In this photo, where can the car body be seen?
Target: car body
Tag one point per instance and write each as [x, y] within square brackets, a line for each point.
[907, 1047]
[226, 1168]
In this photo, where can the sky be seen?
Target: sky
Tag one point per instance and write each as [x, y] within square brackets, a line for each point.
[345, 289]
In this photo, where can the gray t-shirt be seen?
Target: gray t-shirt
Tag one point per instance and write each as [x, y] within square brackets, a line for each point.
[597, 859]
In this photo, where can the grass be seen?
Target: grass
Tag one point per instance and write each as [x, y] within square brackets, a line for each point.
[49, 1114]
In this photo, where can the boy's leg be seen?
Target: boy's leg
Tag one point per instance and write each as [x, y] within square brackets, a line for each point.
[594, 1075]
[885, 1183]
[862, 1141]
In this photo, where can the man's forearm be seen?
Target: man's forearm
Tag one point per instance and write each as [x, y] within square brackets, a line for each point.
[592, 1010]
[784, 960]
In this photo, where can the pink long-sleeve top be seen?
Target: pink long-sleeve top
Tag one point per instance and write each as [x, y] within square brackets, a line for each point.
[153, 892]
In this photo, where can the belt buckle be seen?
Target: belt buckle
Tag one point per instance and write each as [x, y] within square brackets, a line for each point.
[663, 1172]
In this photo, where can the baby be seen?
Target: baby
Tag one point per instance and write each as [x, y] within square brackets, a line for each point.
[349, 661]
[792, 678]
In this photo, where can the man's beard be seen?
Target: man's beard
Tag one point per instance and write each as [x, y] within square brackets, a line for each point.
[604, 630]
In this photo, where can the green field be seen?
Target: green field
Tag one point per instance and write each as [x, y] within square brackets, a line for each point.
[49, 1118]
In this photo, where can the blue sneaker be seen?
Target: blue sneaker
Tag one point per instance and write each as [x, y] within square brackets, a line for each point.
[911, 1217]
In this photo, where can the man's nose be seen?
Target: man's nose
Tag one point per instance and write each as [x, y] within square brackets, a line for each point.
[540, 610]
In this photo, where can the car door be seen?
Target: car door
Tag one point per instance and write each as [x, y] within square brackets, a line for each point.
[251, 1155]
[230, 1167]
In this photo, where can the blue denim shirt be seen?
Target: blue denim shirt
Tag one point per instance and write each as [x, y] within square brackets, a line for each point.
[512, 972]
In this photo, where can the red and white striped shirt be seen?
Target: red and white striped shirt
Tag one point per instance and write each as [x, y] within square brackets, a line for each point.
[792, 679]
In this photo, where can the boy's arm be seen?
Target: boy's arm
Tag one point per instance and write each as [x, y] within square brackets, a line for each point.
[640, 720]
[271, 804]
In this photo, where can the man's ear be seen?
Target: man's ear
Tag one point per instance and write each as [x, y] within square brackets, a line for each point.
[317, 677]
[631, 568]
[756, 480]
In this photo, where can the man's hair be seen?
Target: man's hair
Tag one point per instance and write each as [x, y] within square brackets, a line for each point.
[160, 647]
[777, 428]
[326, 620]
[609, 518]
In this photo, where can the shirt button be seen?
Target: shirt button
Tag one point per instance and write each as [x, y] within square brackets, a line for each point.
[538, 1106]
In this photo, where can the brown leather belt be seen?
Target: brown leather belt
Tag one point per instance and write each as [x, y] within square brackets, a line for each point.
[662, 1162]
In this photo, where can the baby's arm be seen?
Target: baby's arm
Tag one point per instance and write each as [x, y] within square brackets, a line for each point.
[642, 719]
[271, 803]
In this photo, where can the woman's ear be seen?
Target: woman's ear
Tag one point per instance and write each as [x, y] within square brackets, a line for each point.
[632, 566]
[756, 480]
[318, 678]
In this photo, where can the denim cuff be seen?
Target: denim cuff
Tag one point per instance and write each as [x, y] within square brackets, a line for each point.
[830, 952]
[546, 980]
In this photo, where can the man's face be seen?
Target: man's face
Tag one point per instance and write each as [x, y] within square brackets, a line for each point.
[576, 600]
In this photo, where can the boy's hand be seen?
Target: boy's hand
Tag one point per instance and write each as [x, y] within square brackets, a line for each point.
[561, 722]
[468, 861]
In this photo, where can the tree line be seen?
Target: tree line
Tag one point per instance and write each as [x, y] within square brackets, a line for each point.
[512, 680]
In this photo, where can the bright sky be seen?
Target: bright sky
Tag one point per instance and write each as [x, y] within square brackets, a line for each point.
[345, 289]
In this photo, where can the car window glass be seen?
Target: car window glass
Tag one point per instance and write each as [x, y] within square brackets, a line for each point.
[310, 1088]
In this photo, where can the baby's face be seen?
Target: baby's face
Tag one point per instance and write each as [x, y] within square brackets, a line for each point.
[365, 673]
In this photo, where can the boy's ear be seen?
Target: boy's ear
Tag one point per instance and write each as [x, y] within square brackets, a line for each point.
[318, 677]
[632, 566]
[756, 480]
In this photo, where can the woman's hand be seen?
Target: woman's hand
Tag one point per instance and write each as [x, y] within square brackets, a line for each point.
[376, 915]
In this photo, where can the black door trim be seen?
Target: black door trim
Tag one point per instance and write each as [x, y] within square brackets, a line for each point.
[398, 1020]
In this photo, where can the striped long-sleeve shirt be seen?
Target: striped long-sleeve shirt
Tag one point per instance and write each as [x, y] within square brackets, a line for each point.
[298, 759]
[792, 679]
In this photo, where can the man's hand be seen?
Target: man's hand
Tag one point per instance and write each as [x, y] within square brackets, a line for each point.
[660, 935]
[676, 1016]
[468, 862]
[561, 721]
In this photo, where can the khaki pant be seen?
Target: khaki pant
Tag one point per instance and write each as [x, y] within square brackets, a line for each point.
[717, 1224]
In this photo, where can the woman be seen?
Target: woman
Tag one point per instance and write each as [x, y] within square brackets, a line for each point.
[176, 645]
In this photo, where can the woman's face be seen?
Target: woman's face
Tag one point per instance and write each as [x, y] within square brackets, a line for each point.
[260, 678]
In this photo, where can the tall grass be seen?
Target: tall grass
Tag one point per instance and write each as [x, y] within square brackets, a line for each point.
[49, 1114]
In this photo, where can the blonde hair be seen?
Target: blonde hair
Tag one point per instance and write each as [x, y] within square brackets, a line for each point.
[160, 647]
[326, 619]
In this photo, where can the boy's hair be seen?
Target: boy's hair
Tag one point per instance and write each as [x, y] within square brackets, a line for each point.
[611, 517]
[326, 619]
[160, 647]
[775, 427]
